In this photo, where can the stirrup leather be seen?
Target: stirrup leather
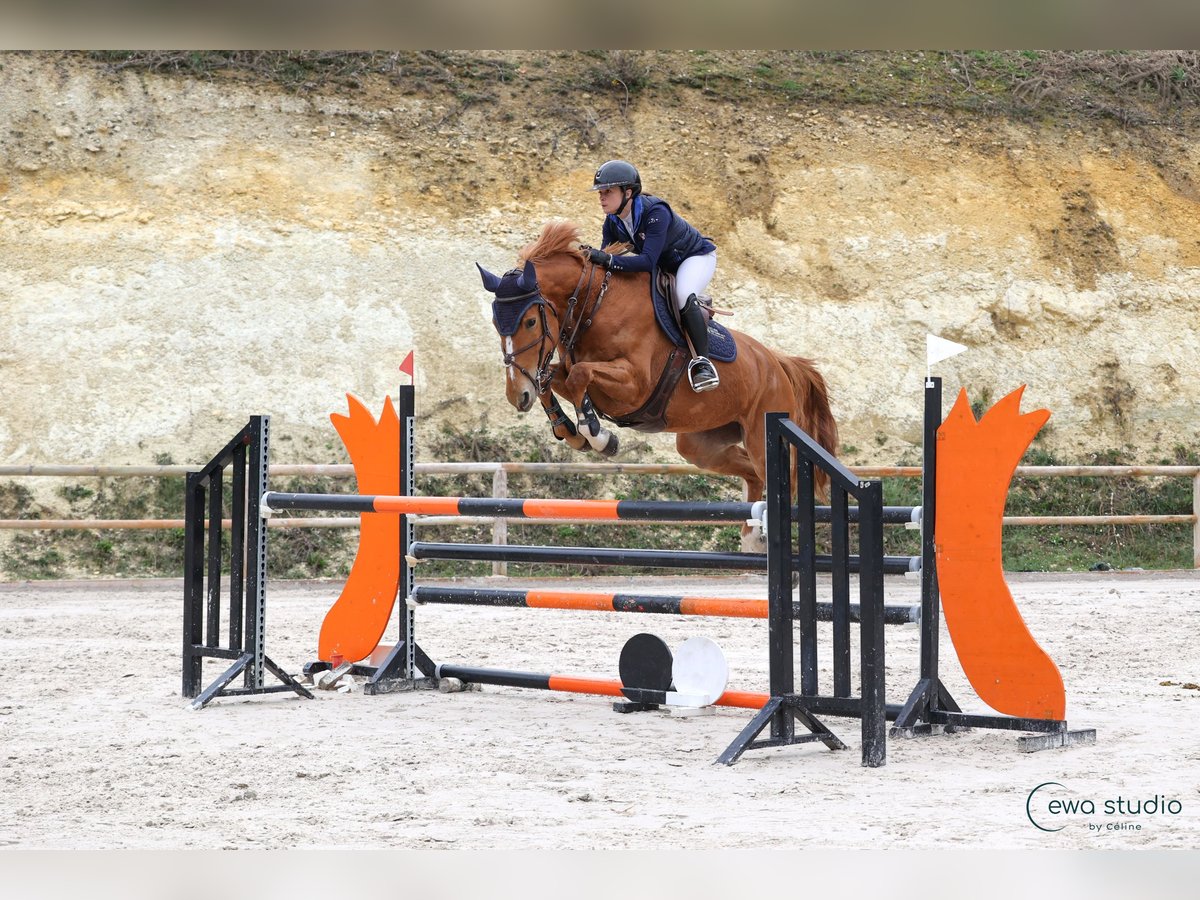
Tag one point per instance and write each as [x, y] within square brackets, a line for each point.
[702, 375]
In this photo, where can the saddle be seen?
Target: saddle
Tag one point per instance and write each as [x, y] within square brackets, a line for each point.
[721, 346]
[651, 415]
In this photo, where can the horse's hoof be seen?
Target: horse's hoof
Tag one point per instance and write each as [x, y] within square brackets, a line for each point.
[754, 541]
[611, 448]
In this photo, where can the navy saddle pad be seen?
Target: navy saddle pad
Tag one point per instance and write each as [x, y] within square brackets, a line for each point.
[721, 346]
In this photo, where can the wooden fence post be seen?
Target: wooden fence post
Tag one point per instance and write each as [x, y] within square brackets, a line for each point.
[1196, 525]
[500, 525]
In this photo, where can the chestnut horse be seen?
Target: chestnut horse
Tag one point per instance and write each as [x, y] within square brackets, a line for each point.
[612, 352]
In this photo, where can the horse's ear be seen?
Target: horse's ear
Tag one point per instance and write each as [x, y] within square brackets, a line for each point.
[528, 279]
[490, 281]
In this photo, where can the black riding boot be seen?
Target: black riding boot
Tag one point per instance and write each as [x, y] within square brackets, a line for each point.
[702, 374]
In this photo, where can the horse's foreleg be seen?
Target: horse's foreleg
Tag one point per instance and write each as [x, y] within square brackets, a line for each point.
[560, 424]
[601, 439]
[604, 377]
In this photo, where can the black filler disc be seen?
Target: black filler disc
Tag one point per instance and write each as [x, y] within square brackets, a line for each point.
[646, 663]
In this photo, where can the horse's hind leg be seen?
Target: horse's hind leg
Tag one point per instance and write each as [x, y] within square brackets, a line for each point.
[718, 450]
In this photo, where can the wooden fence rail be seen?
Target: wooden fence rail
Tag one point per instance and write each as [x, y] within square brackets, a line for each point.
[501, 470]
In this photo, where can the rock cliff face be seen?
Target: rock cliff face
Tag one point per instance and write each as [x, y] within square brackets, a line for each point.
[179, 254]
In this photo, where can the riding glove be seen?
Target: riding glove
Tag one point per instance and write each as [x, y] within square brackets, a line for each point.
[599, 257]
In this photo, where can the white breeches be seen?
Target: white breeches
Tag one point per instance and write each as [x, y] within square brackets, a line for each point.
[693, 276]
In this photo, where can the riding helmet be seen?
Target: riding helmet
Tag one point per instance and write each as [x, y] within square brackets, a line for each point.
[617, 173]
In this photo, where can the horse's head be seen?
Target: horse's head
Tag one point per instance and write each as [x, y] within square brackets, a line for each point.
[528, 334]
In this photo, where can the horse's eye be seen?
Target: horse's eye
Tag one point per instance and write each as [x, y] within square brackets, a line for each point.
[529, 323]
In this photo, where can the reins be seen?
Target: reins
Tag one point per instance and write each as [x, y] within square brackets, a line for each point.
[577, 321]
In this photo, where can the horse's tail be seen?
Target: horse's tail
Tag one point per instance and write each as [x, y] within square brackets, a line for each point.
[812, 412]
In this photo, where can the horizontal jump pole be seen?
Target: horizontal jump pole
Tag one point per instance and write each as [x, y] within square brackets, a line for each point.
[623, 556]
[830, 706]
[573, 685]
[161, 524]
[355, 522]
[520, 508]
[512, 507]
[723, 607]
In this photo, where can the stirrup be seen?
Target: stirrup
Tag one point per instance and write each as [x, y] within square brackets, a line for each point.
[702, 375]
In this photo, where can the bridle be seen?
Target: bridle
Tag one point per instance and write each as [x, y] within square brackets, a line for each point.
[542, 377]
[575, 321]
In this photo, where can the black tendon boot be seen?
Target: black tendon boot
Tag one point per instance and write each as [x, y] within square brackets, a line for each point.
[702, 374]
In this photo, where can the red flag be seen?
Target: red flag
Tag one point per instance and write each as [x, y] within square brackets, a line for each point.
[407, 366]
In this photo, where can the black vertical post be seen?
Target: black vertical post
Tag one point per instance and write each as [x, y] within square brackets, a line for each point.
[256, 540]
[930, 601]
[840, 551]
[215, 508]
[406, 409]
[779, 573]
[237, 548]
[870, 574]
[806, 550]
[406, 659]
[785, 708]
[193, 583]
[247, 567]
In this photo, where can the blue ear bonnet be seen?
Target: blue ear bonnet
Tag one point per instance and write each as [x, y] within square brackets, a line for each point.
[516, 291]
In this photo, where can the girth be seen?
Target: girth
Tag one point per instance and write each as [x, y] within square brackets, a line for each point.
[651, 416]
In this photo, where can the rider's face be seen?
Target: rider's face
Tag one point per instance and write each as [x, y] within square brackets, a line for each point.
[610, 199]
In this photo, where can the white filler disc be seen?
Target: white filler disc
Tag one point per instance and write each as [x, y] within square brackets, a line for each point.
[699, 672]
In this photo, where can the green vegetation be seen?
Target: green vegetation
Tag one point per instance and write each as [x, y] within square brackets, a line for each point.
[1132, 87]
[1062, 548]
[1059, 548]
[1129, 86]
[111, 553]
[329, 552]
[465, 75]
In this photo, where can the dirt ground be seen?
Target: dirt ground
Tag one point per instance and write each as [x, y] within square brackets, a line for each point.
[101, 751]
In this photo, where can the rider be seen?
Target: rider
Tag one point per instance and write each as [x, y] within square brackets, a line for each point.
[662, 239]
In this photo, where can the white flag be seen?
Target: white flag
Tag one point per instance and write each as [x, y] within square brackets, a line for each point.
[937, 349]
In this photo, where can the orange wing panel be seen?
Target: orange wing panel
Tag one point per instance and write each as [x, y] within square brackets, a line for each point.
[975, 465]
[359, 617]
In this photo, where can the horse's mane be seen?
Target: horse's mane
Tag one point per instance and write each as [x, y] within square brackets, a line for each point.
[559, 237]
[556, 237]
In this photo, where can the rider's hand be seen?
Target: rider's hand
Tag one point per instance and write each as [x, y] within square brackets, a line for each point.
[599, 257]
